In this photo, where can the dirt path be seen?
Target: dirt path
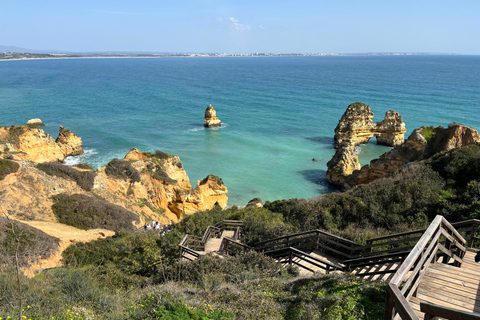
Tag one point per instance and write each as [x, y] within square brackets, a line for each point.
[68, 235]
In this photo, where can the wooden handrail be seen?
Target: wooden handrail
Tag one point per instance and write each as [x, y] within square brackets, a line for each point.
[324, 264]
[396, 301]
[412, 270]
[214, 230]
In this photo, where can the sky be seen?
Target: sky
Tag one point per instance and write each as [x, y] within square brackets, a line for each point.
[217, 26]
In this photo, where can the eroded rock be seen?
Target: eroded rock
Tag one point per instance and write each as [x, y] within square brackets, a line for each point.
[211, 119]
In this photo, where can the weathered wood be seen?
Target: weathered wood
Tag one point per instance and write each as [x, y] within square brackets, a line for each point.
[401, 304]
[432, 310]
[416, 251]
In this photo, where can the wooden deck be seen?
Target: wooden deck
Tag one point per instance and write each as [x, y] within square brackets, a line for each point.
[450, 286]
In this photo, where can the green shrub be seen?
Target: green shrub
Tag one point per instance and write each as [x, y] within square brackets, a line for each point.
[7, 167]
[218, 180]
[27, 242]
[122, 169]
[85, 212]
[84, 179]
[428, 132]
[340, 296]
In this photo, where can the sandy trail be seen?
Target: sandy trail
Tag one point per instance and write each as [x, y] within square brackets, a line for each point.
[68, 235]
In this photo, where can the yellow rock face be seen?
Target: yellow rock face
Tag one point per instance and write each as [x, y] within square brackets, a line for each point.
[33, 144]
[211, 119]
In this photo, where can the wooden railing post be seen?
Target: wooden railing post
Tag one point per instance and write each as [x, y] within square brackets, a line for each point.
[290, 257]
[389, 305]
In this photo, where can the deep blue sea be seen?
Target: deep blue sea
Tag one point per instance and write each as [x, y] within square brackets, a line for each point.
[277, 112]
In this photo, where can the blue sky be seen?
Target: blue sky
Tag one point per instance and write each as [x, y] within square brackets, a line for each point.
[334, 26]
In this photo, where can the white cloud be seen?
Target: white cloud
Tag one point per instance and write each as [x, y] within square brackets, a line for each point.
[235, 25]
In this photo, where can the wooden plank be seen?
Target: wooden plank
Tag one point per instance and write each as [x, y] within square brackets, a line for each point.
[455, 294]
[453, 240]
[448, 313]
[457, 235]
[440, 298]
[433, 300]
[449, 253]
[447, 285]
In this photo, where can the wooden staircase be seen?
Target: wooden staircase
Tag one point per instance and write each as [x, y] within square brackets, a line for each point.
[430, 273]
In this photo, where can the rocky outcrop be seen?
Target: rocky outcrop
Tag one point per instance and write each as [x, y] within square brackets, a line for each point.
[163, 185]
[255, 202]
[33, 144]
[391, 130]
[69, 142]
[356, 126]
[35, 123]
[422, 144]
[342, 165]
[211, 119]
[159, 190]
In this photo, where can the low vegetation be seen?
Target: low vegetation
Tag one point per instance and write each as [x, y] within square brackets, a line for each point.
[84, 179]
[85, 212]
[138, 275]
[7, 167]
[122, 169]
[23, 241]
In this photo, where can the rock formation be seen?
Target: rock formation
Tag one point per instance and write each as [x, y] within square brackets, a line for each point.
[342, 165]
[33, 144]
[211, 119]
[420, 145]
[35, 123]
[152, 186]
[356, 126]
[69, 142]
[255, 202]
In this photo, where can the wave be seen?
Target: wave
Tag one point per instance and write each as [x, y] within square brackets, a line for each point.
[202, 128]
[358, 150]
[82, 158]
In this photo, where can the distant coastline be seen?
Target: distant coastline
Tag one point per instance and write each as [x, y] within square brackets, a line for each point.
[35, 56]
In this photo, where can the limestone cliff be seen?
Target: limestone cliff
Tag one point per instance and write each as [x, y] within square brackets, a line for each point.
[420, 145]
[69, 143]
[342, 165]
[33, 144]
[162, 184]
[356, 126]
[211, 119]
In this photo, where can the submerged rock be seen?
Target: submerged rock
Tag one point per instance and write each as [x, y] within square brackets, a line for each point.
[211, 119]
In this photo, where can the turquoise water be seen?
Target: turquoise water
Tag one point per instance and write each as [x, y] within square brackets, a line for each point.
[277, 112]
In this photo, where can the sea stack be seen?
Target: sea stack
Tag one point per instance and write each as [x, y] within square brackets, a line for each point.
[354, 128]
[211, 119]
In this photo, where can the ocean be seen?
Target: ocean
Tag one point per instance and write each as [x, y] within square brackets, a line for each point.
[277, 113]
